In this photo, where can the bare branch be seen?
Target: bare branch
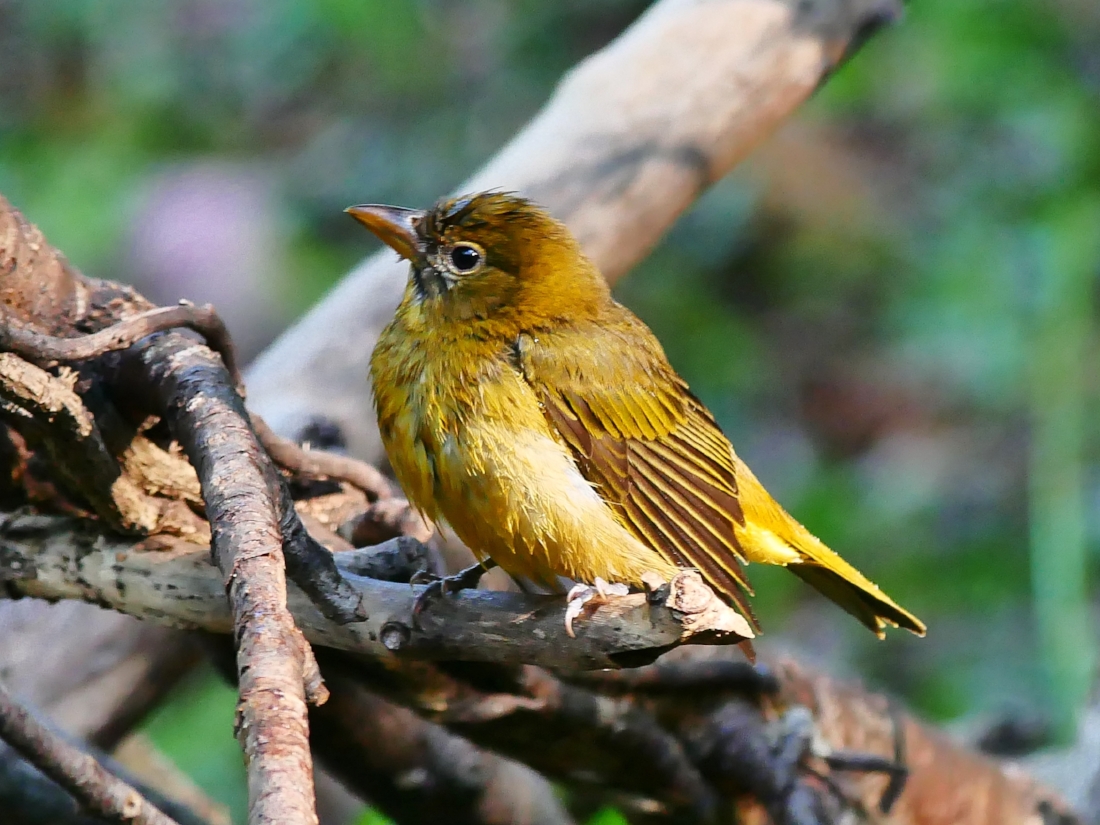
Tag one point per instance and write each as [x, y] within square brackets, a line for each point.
[93, 786]
[320, 464]
[45, 349]
[274, 662]
[177, 584]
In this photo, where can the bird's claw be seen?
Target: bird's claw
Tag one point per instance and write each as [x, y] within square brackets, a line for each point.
[464, 579]
[584, 597]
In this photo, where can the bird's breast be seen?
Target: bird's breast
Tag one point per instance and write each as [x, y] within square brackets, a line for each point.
[434, 404]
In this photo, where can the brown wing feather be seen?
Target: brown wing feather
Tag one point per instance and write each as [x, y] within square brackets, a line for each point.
[655, 456]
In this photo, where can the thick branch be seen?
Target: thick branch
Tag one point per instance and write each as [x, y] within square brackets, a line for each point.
[274, 662]
[58, 558]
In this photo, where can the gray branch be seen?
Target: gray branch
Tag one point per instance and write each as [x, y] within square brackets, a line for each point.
[59, 558]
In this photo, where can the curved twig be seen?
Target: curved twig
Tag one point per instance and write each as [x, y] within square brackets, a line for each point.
[40, 348]
[318, 463]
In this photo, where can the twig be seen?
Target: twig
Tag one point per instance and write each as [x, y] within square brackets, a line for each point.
[43, 349]
[310, 565]
[321, 464]
[81, 775]
[30, 796]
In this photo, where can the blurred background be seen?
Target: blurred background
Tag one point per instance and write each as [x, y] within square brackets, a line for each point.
[891, 307]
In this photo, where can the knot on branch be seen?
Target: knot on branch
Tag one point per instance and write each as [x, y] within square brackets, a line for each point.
[704, 616]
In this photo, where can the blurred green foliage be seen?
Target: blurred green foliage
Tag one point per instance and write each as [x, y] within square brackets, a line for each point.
[891, 308]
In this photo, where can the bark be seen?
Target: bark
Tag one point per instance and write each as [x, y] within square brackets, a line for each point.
[51, 558]
[96, 789]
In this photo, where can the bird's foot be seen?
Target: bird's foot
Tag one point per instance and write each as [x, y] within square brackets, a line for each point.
[464, 579]
[584, 597]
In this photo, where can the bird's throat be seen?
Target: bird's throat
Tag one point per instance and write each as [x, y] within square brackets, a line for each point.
[427, 282]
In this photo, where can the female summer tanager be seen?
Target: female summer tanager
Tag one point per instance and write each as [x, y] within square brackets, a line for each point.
[538, 417]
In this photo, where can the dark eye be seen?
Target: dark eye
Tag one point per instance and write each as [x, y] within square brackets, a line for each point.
[465, 257]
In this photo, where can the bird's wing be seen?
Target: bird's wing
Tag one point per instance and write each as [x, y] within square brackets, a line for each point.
[652, 450]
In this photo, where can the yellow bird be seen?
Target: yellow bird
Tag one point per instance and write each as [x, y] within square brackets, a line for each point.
[539, 418]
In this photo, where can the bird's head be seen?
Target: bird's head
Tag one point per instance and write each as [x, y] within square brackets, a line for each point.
[493, 257]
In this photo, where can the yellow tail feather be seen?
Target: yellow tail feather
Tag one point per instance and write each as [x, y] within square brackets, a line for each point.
[772, 536]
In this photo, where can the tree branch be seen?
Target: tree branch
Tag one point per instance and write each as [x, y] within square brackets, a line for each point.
[81, 775]
[176, 583]
[275, 665]
[46, 350]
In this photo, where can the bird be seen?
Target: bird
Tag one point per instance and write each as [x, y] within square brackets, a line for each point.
[522, 405]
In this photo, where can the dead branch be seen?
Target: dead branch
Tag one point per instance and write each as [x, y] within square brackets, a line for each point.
[89, 782]
[274, 662]
[176, 583]
[46, 350]
[32, 798]
[319, 464]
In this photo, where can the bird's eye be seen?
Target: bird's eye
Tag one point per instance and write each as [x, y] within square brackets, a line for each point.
[465, 257]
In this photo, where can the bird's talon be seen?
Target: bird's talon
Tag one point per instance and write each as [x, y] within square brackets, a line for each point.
[423, 577]
[440, 586]
[583, 597]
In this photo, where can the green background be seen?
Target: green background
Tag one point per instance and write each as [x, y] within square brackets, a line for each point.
[890, 307]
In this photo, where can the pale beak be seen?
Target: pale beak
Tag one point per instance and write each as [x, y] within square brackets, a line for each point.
[395, 226]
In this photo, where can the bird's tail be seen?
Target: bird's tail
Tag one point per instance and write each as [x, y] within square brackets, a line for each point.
[773, 536]
[843, 584]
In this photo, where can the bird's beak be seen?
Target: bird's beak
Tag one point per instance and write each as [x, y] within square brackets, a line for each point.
[394, 225]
